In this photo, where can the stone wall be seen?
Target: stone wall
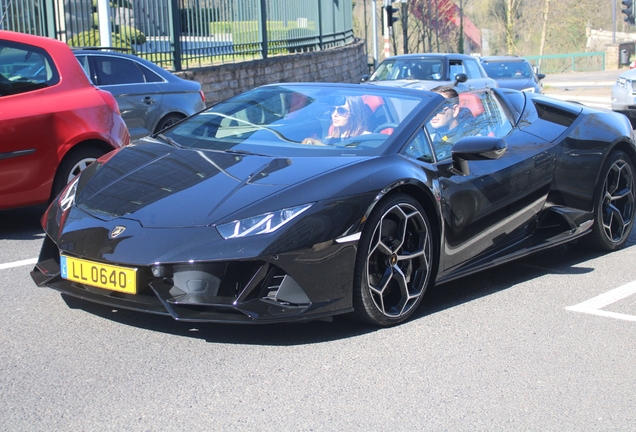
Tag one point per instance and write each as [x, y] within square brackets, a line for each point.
[342, 64]
[611, 43]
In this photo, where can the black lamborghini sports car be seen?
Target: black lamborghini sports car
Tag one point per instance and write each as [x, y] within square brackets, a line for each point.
[300, 201]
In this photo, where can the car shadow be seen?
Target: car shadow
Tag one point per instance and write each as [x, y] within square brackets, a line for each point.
[561, 260]
[22, 223]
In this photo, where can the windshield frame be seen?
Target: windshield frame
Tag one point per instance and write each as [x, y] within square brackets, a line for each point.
[285, 120]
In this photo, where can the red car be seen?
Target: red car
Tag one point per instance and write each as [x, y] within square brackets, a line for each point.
[53, 121]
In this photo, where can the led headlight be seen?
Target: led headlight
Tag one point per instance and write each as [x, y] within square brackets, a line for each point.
[262, 224]
[529, 90]
[67, 197]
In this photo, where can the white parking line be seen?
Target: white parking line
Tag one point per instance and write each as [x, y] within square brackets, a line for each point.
[595, 305]
[18, 263]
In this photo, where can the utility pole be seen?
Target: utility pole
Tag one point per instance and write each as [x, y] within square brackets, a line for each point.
[460, 48]
[374, 19]
[405, 26]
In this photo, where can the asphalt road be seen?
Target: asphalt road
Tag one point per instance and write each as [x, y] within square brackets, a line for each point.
[495, 351]
[545, 343]
[590, 88]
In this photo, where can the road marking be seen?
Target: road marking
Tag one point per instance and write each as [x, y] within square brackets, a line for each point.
[595, 305]
[18, 263]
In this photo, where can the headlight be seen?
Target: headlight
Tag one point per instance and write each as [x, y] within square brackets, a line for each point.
[262, 224]
[622, 82]
[529, 90]
[67, 197]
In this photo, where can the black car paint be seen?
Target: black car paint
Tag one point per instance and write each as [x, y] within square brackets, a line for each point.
[504, 202]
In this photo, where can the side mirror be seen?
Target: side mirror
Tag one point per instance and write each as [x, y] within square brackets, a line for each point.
[476, 148]
[540, 76]
[364, 78]
[460, 78]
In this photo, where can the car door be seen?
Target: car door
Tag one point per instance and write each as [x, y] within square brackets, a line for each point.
[493, 202]
[29, 101]
[139, 100]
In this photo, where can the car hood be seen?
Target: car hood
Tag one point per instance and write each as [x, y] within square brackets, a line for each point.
[516, 84]
[162, 186]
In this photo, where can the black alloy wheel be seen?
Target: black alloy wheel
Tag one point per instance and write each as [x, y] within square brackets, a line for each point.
[394, 264]
[614, 208]
[168, 121]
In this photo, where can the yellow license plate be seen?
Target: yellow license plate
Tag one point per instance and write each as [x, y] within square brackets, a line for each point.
[99, 275]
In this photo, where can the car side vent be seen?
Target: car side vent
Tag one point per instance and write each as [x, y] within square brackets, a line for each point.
[554, 115]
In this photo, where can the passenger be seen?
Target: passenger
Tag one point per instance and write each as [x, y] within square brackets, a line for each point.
[449, 123]
[347, 120]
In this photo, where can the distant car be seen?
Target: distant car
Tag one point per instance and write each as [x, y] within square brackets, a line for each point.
[426, 71]
[150, 98]
[624, 95]
[514, 73]
[54, 122]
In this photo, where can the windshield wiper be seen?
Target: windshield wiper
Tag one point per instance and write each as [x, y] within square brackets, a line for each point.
[169, 140]
[243, 152]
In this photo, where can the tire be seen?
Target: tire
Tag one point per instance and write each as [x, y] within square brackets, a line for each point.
[168, 121]
[394, 262]
[613, 203]
[73, 163]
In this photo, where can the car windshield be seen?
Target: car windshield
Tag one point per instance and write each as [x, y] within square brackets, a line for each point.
[300, 120]
[508, 70]
[412, 69]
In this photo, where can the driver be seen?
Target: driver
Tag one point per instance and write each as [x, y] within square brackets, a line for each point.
[347, 120]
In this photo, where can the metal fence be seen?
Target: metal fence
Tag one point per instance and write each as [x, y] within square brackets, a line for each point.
[576, 62]
[181, 34]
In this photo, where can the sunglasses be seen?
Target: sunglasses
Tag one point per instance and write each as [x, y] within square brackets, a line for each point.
[446, 108]
[341, 111]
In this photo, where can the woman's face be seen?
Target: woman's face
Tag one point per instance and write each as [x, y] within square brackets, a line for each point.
[340, 115]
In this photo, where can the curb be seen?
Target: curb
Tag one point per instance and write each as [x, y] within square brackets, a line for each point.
[580, 84]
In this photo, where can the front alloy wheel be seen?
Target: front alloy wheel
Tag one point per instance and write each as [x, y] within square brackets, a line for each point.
[394, 262]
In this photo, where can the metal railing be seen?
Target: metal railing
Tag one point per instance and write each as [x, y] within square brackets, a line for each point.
[181, 34]
[576, 62]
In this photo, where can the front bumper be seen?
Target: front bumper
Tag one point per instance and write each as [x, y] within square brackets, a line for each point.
[255, 291]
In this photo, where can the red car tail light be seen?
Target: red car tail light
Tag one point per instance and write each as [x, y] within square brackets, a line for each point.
[110, 100]
[202, 95]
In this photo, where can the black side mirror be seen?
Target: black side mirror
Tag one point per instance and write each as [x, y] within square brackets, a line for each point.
[460, 78]
[364, 78]
[540, 76]
[476, 148]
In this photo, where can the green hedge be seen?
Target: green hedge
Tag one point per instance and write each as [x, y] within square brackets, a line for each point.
[123, 39]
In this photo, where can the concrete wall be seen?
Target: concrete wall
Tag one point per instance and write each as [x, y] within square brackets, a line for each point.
[342, 64]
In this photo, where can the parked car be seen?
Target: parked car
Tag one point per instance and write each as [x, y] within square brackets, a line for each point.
[54, 122]
[150, 98]
[514, 73]
[258, 210]
[426, 71]
[624, 95]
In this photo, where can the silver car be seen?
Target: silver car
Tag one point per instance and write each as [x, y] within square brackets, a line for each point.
[624, 95]
[426, 71]
[150, 98]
